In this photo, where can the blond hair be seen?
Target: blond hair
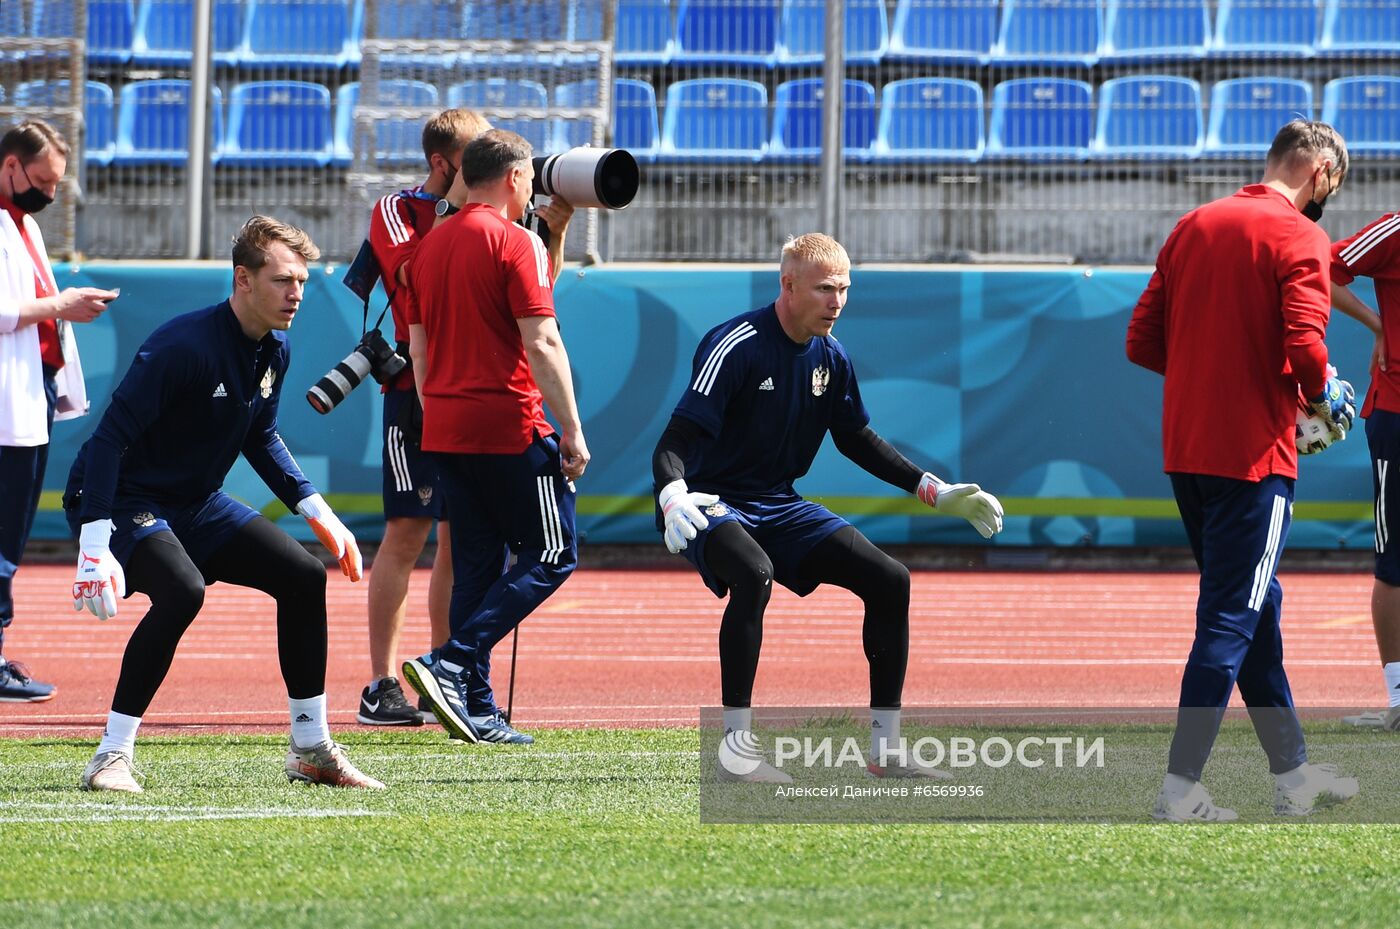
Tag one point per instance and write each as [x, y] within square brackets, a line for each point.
[448, 133]
[815, 248]
[1302, 140]
[260, 233]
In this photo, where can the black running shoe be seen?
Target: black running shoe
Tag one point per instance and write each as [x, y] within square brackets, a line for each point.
[387, 706]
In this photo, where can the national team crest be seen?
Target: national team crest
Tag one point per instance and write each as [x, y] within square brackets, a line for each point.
[716, 509]
[268, 380]
[820, 378]
[425, 494]
[144, 520]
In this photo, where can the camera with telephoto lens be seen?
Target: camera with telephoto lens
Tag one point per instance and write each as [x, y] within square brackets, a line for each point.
[373, 356]
[589, 178]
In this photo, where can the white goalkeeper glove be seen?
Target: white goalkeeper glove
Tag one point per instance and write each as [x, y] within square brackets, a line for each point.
[969, 501]
[333, 534]
[100, 581]
[681, 510]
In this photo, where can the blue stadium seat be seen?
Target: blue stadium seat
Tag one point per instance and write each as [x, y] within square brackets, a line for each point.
[1149, 118]
[714, 119]
[278, 124]
[11, 23]
[1041, 119]
[1049, 32]
[645, 33]
[110, 25]
[1137, 31]
[163, 32]
[797, 122]
[1366, 111]
[540, 21]
[1360, 27]
[802, 36]
[501, 94]
[153, 125]
[99, 141]
[1246, 114]
[634, 123]
[717, 32]
[943, 30]
[417, 19]
[930, 119]
[1265, 28]
[397, 141]
[302, 34]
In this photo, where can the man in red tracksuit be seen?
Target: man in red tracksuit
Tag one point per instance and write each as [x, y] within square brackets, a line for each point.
[1374, 252]
[1234, 317]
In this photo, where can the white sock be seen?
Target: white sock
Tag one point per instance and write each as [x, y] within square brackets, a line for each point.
[1177, 787]
[737, 718]
[309, 726]
[374, 684]
[1290, 779]
[1392, 682]
[120, 734]
[884, 734]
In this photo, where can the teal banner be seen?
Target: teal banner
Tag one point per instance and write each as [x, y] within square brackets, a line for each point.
[1015, 379]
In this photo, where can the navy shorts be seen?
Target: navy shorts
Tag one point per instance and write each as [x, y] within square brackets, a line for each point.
[786, 530]
[1383, 437]
[202, 528]
[411, 486]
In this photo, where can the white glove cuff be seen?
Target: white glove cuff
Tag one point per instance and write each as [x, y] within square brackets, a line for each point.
[314, 507]
[670, 492]
[929, 489]
[96, 534]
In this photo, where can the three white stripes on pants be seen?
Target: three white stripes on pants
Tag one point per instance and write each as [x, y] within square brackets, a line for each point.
[549, 520]
[1264, 570]
[398, 460]
[1382, 525]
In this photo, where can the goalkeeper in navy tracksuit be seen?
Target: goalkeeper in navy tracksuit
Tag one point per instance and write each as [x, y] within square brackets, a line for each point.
[144, 497]
[1237, 308]
[767, 387]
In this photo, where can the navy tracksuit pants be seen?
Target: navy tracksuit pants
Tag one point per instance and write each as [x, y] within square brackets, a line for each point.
[522, 502]
[1237, 530]
[21, 480]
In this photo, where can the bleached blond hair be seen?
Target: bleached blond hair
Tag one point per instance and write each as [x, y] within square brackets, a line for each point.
[815, 248]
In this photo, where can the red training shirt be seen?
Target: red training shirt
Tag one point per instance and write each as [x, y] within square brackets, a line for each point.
[1374, 252]
[473, 278]
[1234, 317]
[396, 226]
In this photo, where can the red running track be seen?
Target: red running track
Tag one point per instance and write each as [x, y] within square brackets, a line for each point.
[639, 648]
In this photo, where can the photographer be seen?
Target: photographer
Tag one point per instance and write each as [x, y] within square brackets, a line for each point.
[492, 358]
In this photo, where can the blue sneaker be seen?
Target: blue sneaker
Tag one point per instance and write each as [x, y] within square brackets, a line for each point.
[16, 686]
[445, 692]
[495, 729]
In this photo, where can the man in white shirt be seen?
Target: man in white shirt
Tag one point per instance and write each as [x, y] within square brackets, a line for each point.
[39, 369]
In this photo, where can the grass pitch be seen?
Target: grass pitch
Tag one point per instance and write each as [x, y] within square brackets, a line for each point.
[601, 828]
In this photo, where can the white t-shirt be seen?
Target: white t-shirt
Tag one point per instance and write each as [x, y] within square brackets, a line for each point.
[23, 409]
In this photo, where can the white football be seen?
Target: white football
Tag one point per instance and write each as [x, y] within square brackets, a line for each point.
[1311, 433]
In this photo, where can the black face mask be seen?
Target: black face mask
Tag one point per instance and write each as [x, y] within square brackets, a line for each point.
[1313, 208]
[32, 200]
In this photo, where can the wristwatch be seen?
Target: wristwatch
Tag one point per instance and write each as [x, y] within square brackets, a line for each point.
[444, 208]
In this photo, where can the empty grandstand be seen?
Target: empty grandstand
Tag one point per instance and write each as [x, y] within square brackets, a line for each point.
[972, 129]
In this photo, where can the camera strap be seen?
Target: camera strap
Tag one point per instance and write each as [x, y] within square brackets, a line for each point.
[360, 277]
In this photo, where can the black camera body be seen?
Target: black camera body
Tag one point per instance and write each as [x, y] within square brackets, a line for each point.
[373, 356]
